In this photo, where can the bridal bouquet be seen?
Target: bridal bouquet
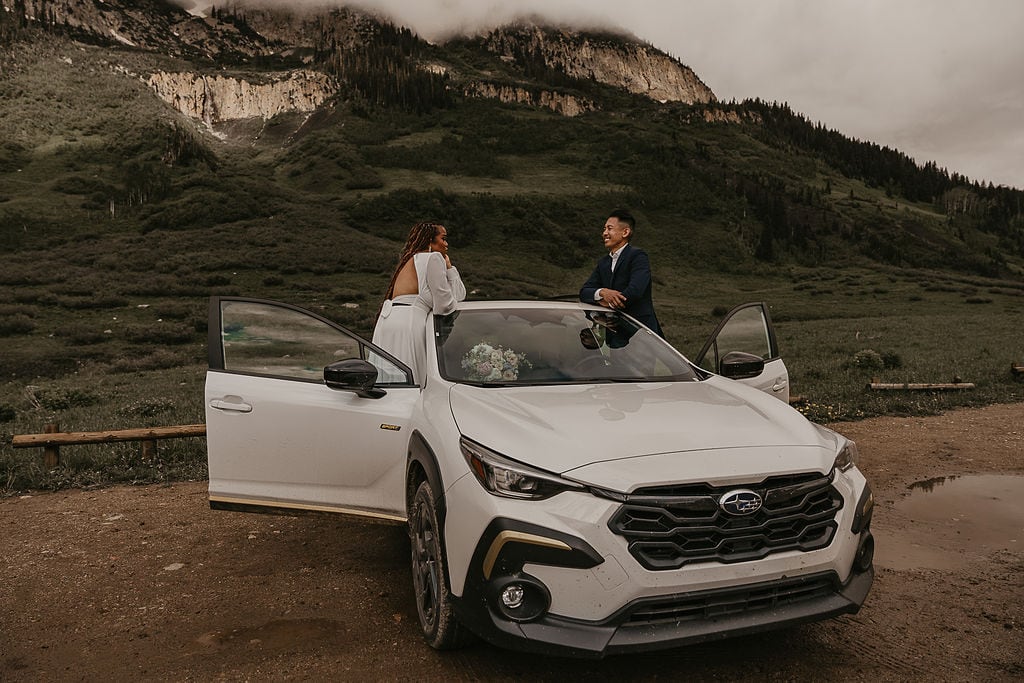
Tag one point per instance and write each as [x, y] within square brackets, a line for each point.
[489, 363]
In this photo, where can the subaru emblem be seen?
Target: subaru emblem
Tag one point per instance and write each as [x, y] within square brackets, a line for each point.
[740, 502]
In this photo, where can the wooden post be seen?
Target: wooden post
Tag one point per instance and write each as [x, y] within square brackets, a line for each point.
[51, 453]
[140, 434]
[148, 450]
[921, 386]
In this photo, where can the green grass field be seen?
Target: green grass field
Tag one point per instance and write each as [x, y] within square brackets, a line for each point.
[921, 327]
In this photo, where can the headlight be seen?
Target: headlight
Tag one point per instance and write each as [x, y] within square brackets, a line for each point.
[847, 457]
[504, 477]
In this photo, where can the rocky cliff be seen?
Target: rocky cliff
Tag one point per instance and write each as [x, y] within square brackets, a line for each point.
[149, 25]
[613, 60]
[561, 103]
[215, 99]
[532, 65]
[238, 29]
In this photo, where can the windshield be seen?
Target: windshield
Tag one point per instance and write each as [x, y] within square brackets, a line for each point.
[524, 346]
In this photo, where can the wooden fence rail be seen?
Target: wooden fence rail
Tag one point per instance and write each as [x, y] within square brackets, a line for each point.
[53, 439]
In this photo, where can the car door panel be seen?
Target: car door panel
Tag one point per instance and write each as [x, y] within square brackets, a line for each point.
[748, 328]
[279, 438]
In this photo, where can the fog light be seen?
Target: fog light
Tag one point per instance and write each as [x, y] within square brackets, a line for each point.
[519, 597]
[512, 596]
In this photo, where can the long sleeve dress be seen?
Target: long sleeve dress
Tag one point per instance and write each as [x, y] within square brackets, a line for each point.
[401, 327]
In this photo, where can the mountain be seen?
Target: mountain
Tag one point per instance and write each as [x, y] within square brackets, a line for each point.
[149, 153]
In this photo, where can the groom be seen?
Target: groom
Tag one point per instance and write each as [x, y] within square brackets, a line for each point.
[622, 280]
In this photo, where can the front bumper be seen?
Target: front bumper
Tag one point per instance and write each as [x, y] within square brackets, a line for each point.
[599, 600]
[665, 621]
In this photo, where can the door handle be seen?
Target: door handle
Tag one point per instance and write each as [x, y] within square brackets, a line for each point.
[779, 385]
[231, 406]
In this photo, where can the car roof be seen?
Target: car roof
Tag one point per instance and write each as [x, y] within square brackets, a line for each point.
[502, 304]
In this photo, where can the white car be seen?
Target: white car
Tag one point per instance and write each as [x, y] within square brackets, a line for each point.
[571, 483]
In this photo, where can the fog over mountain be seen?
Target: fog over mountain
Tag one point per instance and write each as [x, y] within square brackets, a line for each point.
[938, 80]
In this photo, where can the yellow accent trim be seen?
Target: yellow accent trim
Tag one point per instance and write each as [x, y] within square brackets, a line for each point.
[517, 537]
[308, 508]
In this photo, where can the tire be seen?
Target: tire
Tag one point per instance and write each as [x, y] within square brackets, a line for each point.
[430, 574]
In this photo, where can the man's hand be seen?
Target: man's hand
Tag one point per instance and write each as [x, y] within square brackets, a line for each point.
[612, 298]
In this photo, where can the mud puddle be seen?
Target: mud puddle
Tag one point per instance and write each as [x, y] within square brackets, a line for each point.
[948, 522]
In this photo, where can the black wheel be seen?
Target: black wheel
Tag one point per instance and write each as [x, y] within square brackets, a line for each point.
[430, 574]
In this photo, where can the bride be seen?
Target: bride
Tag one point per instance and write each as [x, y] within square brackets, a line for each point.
[424, 282]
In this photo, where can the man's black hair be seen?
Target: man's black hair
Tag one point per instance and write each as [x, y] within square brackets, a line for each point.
[625, 217]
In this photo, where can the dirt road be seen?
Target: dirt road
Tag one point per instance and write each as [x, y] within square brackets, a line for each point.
[147, 583]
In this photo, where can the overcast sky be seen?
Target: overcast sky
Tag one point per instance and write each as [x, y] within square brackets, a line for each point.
[940, 80]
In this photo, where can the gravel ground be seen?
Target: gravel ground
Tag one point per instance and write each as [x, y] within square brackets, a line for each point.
[147, 583]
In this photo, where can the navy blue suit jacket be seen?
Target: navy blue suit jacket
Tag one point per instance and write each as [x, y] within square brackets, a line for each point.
[632, 277]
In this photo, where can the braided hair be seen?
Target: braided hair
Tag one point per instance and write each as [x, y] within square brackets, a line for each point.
[420, 237]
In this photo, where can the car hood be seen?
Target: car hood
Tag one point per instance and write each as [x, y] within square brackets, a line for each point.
[622, 436]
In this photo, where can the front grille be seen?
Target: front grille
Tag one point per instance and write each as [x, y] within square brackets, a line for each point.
[668, 527]
[718, 603]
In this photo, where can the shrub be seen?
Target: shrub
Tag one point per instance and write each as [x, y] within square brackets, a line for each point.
[24, 366]
[868, 359]
[891, 360]
[7, 413]
[391, 215]
[75, 184]
[12, 309]
[27, 296]
[12, 156]
[18, 323]
[82, 335]
[204, 208]
[160, 333]
[364, 178]
[173, 311]
[146, 407]
[157, 359]
[217, 280]
[63, 399]
[82, 303]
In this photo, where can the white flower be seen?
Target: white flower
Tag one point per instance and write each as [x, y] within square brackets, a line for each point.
[489, 363]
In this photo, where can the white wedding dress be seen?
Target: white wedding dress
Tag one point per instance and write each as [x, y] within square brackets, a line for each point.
[401, 326]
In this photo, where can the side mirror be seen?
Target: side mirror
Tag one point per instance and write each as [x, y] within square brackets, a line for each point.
[353, 374]
[740, 365]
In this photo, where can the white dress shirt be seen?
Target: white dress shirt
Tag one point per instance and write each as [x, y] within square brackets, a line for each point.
[615, 259]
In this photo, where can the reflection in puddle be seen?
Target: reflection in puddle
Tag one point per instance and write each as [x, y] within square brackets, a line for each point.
[928, 485]
[952, 521]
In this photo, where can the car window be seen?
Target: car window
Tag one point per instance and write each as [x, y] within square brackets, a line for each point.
[746, 330]
[267, 339]
[552, 346]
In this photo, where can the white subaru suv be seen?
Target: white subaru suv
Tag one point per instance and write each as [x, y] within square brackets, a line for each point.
[571, 483]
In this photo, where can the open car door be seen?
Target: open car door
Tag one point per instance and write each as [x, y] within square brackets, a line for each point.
[297, 417]
[743, 347]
